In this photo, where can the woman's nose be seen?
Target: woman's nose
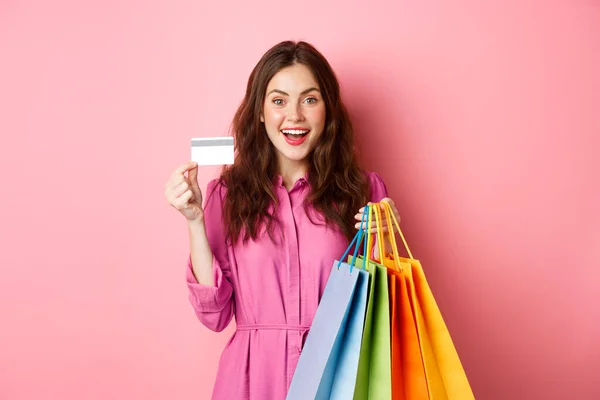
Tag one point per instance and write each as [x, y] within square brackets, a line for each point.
[295, 113]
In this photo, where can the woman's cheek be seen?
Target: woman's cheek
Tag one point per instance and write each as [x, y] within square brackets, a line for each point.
[276, 117]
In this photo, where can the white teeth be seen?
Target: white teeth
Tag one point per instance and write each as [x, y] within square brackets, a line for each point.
[294, 131]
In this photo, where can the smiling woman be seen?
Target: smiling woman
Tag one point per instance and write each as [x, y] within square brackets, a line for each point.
[263, 243]
[293, 114]
[293, 87]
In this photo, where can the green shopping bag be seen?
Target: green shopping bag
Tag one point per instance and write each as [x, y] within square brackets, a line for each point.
[374, 376]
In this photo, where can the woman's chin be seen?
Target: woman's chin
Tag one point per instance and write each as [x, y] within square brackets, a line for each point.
[294, 155]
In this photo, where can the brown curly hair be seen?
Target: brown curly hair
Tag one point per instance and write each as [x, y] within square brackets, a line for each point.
[338, 186]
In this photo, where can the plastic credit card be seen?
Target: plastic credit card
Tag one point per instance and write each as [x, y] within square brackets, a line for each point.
[212, 150]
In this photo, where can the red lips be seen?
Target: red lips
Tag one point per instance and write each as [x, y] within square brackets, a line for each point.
[295, 140]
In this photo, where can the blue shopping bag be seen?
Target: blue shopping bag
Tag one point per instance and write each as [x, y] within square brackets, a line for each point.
[328, 363]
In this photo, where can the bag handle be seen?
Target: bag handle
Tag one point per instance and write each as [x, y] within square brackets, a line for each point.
[358, 238]
[392, 237]
[380, 236]
[388, 212]
[363, 226]
[392, 222]
[367, 248]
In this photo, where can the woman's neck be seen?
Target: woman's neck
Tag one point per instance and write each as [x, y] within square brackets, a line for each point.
[291, 171]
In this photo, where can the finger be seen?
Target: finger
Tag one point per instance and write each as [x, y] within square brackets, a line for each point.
[390, 202]
[185, 167]
[193, 177]
[362, 209]
[360, 225]
[372, 225]
[175, 181]
[395, 215]
[173, 194]
[394, 210]
[374, 230]
[180, 189]
[360, 215]
[183, 200]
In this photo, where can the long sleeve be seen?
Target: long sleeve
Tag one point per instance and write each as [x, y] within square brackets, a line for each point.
[214, 305]
[377, 187]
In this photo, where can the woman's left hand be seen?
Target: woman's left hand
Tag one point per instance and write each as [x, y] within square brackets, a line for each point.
[384, 221]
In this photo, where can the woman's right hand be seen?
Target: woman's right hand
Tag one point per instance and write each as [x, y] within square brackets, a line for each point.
[184, 193]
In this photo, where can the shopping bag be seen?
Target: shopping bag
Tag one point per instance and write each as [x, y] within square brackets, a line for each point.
[395, 341]
[409, 365]
[328, 364]
[374, 380]
[405, 349]
[408, 373]
[444, 374]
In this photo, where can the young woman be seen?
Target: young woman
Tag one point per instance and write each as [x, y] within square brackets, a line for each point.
[274, 222]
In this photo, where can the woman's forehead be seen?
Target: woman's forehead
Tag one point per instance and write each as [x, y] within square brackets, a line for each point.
[293, 80]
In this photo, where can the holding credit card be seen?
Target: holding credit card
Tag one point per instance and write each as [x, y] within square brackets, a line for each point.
[212, 151]
[265, 240]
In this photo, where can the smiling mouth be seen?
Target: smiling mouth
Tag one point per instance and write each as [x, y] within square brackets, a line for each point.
[295, 134]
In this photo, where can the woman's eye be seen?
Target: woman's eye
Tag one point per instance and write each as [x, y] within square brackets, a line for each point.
[311, 100]
[278, 102]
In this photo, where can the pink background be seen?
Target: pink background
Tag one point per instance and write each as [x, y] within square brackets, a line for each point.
[484, 119]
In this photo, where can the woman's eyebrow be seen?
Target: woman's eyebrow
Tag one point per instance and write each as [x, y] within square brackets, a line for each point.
[285, 94]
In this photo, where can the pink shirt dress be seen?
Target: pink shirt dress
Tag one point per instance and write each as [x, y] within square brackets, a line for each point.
[272, 289]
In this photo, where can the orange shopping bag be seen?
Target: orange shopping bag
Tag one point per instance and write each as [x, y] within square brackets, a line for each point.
[444, 375]
[408, 373]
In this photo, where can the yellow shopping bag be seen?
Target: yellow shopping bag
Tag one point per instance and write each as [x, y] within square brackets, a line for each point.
[444, 373]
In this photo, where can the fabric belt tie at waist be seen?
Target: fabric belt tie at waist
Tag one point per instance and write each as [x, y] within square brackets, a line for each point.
[251, 327]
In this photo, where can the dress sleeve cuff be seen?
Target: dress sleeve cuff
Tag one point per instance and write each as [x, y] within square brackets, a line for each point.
[209, 298]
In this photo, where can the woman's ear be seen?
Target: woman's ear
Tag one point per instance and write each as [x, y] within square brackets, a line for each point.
[262, 118]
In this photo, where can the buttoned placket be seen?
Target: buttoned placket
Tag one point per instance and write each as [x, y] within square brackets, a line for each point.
[293, 304]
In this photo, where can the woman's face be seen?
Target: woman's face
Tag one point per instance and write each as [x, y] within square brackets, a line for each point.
[293, 113]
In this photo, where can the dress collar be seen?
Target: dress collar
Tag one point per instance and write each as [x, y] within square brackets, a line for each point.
[300, 182]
